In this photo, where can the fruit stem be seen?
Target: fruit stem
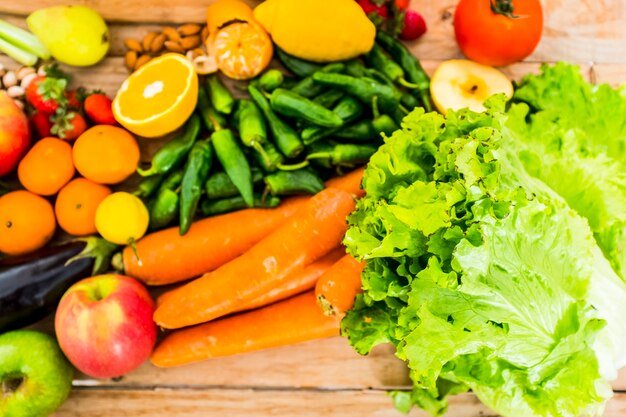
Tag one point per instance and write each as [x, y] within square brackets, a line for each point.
[503, 7]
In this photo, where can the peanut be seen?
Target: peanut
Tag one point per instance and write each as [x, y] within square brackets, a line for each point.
[157, 43]
[23, 72]
[190, 42]
[15, 91]
[9, 79]
[174, 47]
[133, 45]
[27, 80]
[147, 40]
[141, 61]
[189, 29]
[130, 60]
[171, 34]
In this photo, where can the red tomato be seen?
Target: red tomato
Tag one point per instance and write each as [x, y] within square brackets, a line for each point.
[495, 39]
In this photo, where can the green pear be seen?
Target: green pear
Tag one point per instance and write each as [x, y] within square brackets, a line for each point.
[74, 35]
[35, 377]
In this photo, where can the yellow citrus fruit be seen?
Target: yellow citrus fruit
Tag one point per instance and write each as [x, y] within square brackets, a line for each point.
[158, 98]
[242, 50]
[122, 218]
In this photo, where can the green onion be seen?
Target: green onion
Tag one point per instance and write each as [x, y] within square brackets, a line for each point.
[23, 39]
[21, 56]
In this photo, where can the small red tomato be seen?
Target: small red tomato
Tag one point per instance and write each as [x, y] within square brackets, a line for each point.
[402, 4]
[414, 26]
[498, 32]
[98, 109]
[369, 7]
[41, 124]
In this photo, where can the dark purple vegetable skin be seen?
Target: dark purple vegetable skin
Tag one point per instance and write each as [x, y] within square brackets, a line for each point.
[32, 285]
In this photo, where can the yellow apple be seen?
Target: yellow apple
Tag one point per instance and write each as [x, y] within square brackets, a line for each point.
[460, 83]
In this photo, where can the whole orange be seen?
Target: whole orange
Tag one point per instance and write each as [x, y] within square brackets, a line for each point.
[26, 222]
[47, 167]
[106, 154]
[76, 206]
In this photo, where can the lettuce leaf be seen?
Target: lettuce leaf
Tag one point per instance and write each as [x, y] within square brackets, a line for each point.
[481, 274]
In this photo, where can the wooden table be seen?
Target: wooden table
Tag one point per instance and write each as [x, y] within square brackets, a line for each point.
[323, 377]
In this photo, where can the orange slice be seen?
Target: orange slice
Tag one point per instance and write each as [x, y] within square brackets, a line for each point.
[242, 50]
[158, 98]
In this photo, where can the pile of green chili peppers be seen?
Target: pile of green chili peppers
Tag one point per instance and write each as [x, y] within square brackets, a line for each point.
[294, 131]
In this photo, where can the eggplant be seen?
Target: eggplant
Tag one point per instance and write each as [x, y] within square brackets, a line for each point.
[31, 285]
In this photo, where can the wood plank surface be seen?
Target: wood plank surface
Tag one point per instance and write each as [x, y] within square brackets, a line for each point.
[324, 377]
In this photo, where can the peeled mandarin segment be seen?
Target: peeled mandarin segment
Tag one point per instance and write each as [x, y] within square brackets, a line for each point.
[159, 97]
[224, 11]
[242, 50]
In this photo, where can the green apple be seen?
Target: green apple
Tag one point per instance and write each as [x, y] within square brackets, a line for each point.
[460, 83]
[35, 377]
[74, 35]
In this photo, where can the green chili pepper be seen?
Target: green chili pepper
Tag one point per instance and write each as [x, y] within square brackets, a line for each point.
[284, 136]
[297, 66]
[213, 207]
[196, 172]
[302, 181]
[345, 153]
[271, 80]
[219, 185]
[173, 152]
[409, 101]
[220, 96]
[211, 118]
[329, 98]
[291, 104]
[234, 162]
[270, 159]
[164, 209]
[377, 59]
[348, 109]
[173, 180]
[355, 68]
[148, 186]
[252, 127]
[308, 88]
[410, 64]
[382, 123]
[365, 89]
[362, 130]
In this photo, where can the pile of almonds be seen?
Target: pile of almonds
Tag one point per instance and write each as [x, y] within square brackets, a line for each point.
[187, 39]
[15, 82]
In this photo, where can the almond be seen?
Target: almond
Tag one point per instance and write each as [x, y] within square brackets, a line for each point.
[141, 61]
[205, 33]
[190, 42]
[171, 34]
[130, 60]
[174, 47]
[189, 29]
[157, 43]
[133, 45]
[147, 40]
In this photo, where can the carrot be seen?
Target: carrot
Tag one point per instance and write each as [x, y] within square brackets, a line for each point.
[294, 320]
[165, 257]
[298, 282]
[315, 230]
[337, 287]
[350, 182]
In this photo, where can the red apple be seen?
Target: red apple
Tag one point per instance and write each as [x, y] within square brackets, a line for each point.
[104, 325]
[14, 134]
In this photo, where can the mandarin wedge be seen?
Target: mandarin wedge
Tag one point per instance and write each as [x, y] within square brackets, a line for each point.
[242, 50]
[158, 98]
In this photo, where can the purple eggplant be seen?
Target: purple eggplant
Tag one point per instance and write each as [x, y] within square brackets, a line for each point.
[31, 285]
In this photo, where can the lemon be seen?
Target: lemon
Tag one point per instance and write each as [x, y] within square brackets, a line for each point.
[122, 218]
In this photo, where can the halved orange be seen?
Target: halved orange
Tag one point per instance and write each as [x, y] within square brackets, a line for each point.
[242, 50]
[158, 98]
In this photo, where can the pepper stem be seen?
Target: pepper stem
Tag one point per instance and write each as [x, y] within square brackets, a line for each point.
[146, 172]
[375, 107]
[503, 7]
[257, 147]
[407, 84]
[293, 167]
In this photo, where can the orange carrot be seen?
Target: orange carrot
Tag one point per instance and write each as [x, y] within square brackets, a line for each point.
[350, 182]
[165, 257]
[316, 229]
[294, 320]
[297, 282]
[337, 287]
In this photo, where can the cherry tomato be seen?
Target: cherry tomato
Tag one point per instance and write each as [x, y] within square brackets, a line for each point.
[496, 39]
[369, 7]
